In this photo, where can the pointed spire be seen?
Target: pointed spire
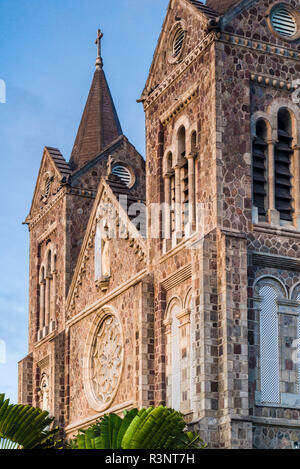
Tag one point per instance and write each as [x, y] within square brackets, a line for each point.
[100, 124]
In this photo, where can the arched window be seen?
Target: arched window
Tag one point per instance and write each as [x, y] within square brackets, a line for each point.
[184, 178]
[47, 295]
[283, 166]
[278, 364]
[42, 298]
[178, 366]
[173, 359]
[259, 168]
[269, 352]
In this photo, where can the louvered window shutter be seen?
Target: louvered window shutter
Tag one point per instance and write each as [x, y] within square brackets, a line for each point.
[259, 160]
[283, 184]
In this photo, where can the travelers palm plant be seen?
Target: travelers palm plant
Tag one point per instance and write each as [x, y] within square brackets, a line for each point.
[25, 427]
[152, 428]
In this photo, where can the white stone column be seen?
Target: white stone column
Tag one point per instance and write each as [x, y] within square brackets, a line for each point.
[168, 361]
[192, 192]
[53, 297]
[167, 214]
[178, 226]
[47, 302]
[42, 304]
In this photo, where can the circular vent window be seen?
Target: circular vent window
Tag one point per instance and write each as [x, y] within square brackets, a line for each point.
[123, 173]
[178, 42]
[284, 22]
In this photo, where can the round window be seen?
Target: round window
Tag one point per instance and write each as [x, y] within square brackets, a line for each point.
[283, 22]
[123, 173]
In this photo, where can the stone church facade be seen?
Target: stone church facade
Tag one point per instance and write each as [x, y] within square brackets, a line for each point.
[177, 281]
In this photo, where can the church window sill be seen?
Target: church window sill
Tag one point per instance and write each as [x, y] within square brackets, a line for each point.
[46, 332]
[287, 401]
[287, 230]
[102, 284]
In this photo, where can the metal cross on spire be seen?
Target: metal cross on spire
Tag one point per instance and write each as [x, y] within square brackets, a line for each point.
[99, 61]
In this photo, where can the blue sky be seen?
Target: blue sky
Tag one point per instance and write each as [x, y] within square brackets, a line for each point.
[47, 57]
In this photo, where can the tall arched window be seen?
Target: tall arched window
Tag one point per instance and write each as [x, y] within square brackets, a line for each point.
[42, 298]
[47, 295]
[259, 168]
[283, 166]
[178, 348]
[269, 351]
[184, 179]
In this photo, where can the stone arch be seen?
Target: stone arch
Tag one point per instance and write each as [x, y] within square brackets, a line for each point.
[293, 109]
[295, 292]
[174, 301]
[188, 300]
[270, 121]
[182, 122]
[168, 161]
[272, 281]
[193, 140]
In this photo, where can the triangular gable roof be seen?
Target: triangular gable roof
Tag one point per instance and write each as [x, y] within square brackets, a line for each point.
[59, 161]
[112, 186]
[59, 164]
[200, 9]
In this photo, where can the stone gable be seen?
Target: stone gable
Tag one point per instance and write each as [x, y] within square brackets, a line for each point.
[181, 13]
[127, 252]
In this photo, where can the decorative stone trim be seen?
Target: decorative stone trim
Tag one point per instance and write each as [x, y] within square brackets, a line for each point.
[102, 284]
[276, 262]
[185, 101]
[273, 82]
[177, 278]
[44, 362]
[259, 45]
[113, 294]
[184, 317]
[125, 226]
[197, 52]
[46, 236]
[45, 339]
[83, 423]
[66, 190]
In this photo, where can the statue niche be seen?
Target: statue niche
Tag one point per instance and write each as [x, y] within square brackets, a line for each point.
[102, 256]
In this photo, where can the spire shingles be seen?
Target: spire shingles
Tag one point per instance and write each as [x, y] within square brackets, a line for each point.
[100, 124]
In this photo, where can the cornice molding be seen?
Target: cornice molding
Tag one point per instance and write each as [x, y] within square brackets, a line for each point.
[106, 298]
[46, 235]
[273, 82]
[184, 101]
[260, 46]
[64, 191]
